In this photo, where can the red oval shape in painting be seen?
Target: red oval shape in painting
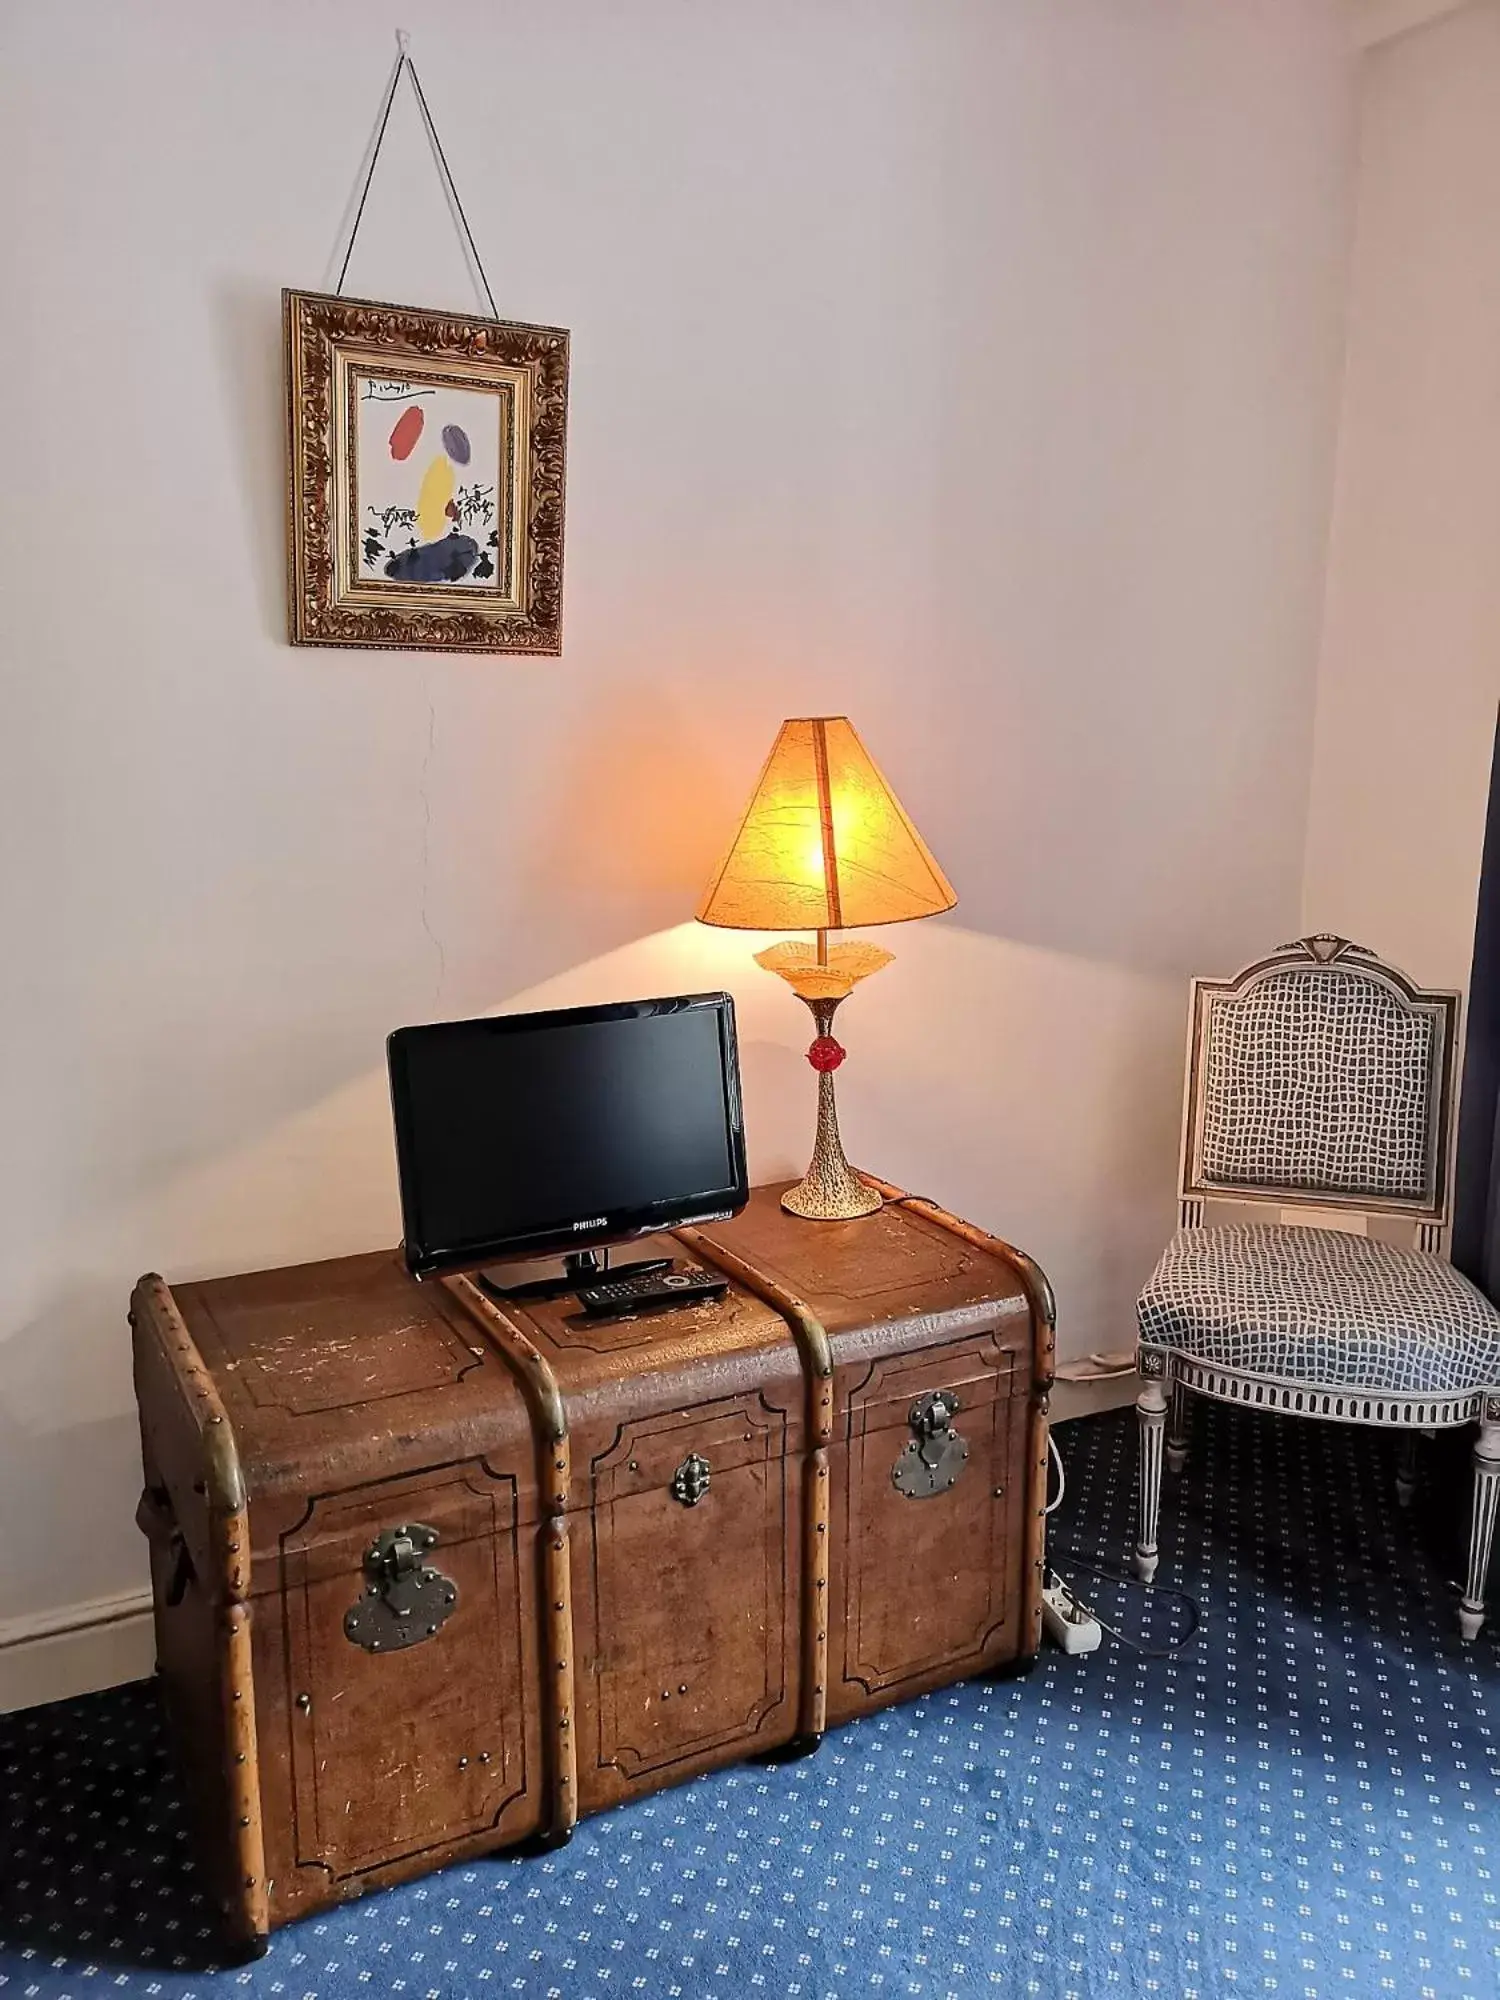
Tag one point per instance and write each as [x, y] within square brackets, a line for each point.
[408, 428]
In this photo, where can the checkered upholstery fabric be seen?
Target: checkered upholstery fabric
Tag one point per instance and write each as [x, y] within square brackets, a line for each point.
[1319, 1078]
[1323, 1309]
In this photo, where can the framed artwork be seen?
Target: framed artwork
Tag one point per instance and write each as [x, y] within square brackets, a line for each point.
[425, 478]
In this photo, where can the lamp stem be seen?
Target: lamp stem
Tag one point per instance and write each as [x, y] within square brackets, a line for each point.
[822, 959]
[830, 1190]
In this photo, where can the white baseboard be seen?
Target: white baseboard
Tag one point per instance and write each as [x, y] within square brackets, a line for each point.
[51, 1655]
[1091, 1399]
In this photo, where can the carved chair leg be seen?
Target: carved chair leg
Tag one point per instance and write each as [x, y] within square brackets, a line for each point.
[1177, 1429]
[1151, 1409]
[1406, 1468]
[1482, 1525]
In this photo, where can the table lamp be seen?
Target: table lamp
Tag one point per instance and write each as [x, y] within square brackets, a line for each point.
[824, 845]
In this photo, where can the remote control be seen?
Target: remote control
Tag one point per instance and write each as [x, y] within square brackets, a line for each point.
[685, 1287]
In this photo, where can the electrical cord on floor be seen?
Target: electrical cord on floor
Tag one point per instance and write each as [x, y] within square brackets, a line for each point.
[1110, 1575]
[1062, 1478]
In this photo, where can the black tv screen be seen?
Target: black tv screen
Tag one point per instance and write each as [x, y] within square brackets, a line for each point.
[524, 1134]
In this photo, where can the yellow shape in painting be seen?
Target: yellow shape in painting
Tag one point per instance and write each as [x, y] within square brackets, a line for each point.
[432, 501]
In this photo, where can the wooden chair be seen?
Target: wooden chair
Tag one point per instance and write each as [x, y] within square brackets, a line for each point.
[1307, 1276]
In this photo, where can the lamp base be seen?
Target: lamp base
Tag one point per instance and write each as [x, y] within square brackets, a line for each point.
[822, 1197]
[830, 1190]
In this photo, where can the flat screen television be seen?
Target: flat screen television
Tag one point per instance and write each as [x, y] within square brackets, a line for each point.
[525, 1135]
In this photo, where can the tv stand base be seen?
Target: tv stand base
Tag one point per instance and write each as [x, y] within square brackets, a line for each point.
[554, 1279]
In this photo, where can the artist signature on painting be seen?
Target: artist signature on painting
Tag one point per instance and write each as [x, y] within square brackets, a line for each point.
[381, 391]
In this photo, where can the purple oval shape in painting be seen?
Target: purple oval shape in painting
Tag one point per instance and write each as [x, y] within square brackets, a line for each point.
[456, 444]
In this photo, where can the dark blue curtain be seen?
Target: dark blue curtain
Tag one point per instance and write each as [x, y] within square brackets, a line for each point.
[1476, 1208]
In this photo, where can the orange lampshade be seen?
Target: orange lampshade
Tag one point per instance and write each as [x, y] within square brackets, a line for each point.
[824, 843]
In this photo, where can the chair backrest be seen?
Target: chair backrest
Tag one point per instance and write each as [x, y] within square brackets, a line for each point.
[1320, 1077]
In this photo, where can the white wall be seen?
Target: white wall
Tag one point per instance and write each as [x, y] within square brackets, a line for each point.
[967, 368]
[1410, 672]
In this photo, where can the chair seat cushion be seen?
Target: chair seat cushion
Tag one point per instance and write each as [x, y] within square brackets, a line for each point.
[1323, 1308]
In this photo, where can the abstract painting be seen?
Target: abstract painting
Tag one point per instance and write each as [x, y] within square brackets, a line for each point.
[426, 478]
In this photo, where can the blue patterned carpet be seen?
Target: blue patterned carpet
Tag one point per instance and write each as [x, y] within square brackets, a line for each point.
[1304, 1802]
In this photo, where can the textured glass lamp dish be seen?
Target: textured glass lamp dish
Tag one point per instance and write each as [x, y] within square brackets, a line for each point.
[824, 845]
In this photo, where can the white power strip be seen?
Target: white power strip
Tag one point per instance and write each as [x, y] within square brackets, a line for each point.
[1066, 1622]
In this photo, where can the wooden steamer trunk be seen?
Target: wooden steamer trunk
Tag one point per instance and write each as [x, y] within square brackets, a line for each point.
[435, 1575]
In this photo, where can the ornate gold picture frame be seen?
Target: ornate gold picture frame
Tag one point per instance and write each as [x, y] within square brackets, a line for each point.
[425, 478]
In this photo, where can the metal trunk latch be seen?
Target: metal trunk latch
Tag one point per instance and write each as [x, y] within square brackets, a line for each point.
[936, 1455]
[690, 1480]
[406, 1599]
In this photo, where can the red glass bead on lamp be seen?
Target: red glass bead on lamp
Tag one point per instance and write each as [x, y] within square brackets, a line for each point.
[824, 845]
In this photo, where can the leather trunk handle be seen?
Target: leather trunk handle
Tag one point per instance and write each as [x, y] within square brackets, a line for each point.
[157, 1522]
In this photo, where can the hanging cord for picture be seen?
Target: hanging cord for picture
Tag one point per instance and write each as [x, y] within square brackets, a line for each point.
[404, 64]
